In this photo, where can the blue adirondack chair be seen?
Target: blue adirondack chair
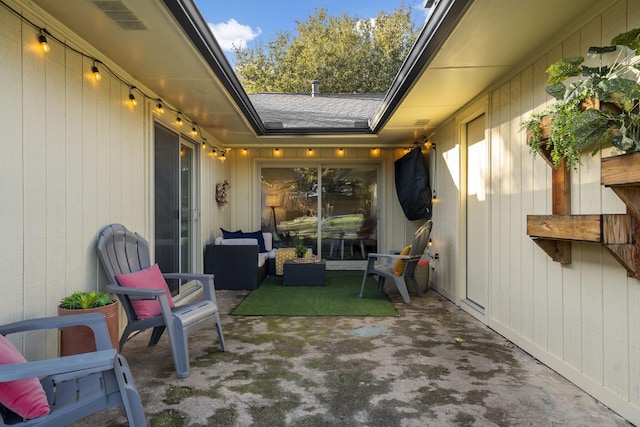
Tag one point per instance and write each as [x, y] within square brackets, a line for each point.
[122, 251]
[76, 386]
[385, 269]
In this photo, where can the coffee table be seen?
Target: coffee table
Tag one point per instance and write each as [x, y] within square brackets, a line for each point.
[304, 272]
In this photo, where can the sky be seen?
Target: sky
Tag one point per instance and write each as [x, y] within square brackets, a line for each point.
[244, 23]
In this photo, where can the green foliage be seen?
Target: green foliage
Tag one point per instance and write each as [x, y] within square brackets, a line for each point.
[564, 68]
[344, 53]
[301, 250]
[82, 300]
[579, 120]
[630, 39]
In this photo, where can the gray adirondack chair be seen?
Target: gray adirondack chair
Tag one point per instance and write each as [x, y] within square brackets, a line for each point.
[76, 386]
[122, 251]
[384, 269]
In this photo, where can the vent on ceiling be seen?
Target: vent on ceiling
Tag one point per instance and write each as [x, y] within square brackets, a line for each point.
[422, 122]
[121, 14]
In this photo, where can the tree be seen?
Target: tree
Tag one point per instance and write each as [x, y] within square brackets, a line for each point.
[345, 54]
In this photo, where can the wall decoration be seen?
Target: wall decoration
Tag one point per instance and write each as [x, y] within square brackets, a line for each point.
[221, 192]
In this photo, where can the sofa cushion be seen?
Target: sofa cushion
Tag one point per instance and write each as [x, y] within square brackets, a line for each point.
[231, 234]
[259, 237]
[24, 397]
[268, 241]
[262, 258]
[149, 278]
[240, 242]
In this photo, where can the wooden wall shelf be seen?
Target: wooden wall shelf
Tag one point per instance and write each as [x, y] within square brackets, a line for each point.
[619, 233]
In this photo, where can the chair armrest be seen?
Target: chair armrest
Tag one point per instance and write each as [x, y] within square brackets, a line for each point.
[136, 293]
[87, 362]
[208, 287]
[144, 294]
[391, 256]
[95, 321]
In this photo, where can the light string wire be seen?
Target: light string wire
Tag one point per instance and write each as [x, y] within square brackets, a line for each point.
[160, 104]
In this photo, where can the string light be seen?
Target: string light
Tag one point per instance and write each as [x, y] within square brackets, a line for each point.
[43, 41]
[132, 98]
[160, 105]
[96, 71]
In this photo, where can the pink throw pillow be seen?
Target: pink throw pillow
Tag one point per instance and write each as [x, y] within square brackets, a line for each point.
[24, 397]
[149, 278]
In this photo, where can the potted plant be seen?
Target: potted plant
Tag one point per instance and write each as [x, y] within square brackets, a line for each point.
[597, 110]
[301, 250]
[79, 339]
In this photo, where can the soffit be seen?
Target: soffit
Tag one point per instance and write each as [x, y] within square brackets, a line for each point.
[490, 41]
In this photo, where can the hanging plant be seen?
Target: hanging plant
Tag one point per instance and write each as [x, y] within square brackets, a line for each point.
[598, 109]
[221, 192]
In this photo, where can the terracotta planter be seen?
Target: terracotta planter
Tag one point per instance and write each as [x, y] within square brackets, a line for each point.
[80, 339]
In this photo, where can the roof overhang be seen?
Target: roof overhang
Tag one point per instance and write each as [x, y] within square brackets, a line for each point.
[465, 48]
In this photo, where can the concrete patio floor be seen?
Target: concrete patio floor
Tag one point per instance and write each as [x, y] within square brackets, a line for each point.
[434, 365]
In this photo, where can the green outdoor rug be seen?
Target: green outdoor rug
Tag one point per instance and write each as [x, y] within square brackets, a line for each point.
[338, 298]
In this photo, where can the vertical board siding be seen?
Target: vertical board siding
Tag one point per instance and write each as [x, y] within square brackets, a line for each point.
[583, 319]
[75, 159]
[11, 181]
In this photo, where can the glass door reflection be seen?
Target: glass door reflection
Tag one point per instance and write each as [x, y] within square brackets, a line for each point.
[334, 212]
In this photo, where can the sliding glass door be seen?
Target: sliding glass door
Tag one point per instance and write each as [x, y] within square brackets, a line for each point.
[331, 209]
[176, 212]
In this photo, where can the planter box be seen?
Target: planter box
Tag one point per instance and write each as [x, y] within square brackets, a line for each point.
[621, 170]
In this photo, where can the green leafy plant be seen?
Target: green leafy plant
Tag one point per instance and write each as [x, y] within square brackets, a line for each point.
[597, 110]
[86, 299]
[301, 250]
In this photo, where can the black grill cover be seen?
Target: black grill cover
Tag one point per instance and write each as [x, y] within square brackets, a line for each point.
[412, 185]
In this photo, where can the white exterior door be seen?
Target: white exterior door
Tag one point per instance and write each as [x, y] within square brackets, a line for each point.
[477, 215]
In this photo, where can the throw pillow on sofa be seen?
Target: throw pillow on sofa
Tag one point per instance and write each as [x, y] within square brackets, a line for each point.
[231, 234]
[259, 237]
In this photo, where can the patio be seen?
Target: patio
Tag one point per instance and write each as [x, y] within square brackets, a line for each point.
[432, 365]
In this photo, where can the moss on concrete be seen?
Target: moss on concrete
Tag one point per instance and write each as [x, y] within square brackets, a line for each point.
[167, 418]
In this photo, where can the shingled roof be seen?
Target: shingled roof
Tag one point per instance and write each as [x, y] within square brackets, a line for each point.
[301, 110]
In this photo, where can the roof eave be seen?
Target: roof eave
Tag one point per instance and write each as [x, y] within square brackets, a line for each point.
[441, 22]
[439, 26]
[196, 28]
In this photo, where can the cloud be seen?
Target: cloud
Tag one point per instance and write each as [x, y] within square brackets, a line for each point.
[233, 34]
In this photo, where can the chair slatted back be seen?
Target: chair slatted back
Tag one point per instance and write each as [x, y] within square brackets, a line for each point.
[122, 251]
[421, 239]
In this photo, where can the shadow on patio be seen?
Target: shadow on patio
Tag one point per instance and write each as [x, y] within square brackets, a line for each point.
[432, 365]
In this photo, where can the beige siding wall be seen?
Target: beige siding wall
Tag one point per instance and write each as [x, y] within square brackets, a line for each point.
[581, 319]
[76, 157]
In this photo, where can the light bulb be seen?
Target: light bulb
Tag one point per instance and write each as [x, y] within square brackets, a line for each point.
[96, 71]
[160, 108]
[43, 42]
[178, 121]
[132, 99]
